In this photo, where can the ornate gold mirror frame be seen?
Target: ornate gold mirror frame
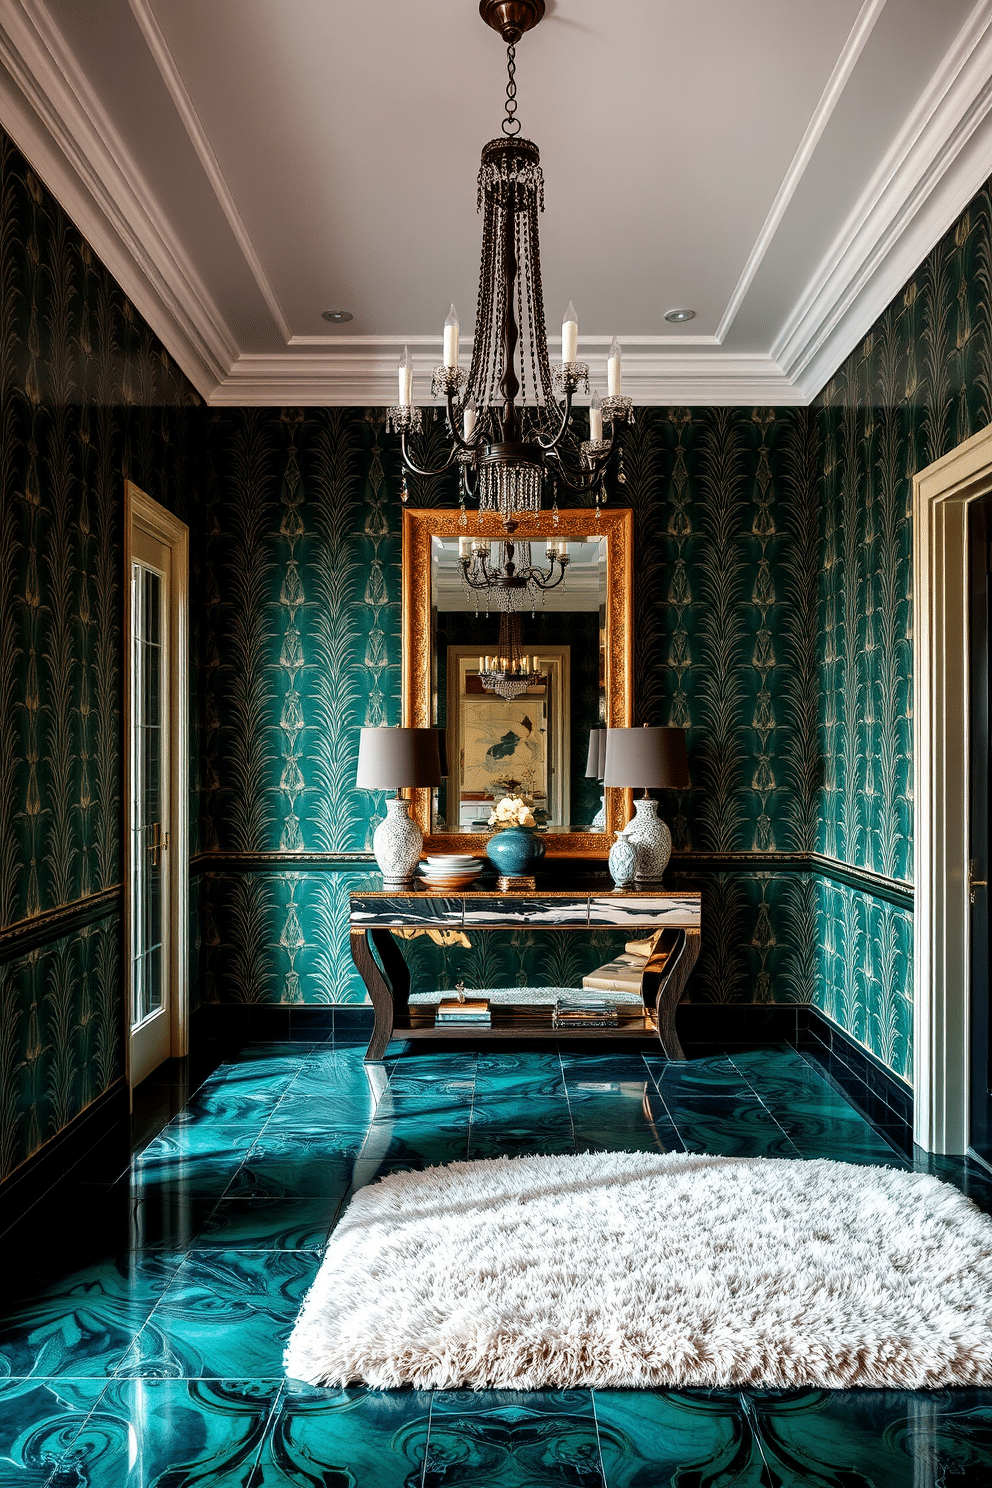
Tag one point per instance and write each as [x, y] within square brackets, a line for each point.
[419, 527]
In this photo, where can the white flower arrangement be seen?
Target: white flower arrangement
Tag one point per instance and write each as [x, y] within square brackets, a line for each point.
[511, 811]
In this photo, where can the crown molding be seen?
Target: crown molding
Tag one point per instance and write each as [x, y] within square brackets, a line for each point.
[166, 64]
[830, 97]
[56, 120]
[937, 162]
[357, 378]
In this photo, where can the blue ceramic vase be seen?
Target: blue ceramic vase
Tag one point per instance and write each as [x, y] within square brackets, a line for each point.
[514, 851]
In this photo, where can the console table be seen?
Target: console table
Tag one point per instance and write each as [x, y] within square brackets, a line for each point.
[595, 906]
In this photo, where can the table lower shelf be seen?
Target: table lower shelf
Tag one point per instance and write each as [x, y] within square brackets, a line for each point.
[503, 1027]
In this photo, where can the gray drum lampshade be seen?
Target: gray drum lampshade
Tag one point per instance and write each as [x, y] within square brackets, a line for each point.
[596, 761]
[391, 758]
[652, 758]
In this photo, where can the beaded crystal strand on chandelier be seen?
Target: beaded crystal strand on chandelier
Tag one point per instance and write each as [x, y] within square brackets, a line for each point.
[507, 454]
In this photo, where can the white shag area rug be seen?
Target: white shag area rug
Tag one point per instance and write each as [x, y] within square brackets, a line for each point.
[624, 1269]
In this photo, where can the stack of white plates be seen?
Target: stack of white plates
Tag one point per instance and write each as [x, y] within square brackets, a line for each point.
[448, 871]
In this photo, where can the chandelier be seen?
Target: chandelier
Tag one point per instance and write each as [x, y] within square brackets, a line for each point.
[505, 581]
[507, 454]
[510, 673]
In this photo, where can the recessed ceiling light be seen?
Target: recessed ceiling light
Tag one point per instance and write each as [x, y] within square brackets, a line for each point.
[676, 317]
[337, 317]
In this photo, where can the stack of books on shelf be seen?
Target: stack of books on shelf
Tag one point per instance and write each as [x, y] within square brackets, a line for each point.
[626, 973]
[585, 1012]
[472, 1012]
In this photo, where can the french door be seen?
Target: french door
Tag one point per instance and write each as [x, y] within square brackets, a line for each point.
[979, 803]
[156, 876]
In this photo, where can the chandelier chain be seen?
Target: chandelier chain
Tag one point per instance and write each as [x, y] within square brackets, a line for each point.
[511, 124]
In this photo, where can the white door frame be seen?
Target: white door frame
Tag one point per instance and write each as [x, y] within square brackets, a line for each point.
[142, 512]
[942, 956]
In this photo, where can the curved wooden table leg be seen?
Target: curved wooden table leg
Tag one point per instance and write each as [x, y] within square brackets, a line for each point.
[678, 965]
[379, 991]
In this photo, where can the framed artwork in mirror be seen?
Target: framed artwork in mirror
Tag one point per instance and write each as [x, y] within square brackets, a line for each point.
[517, 712]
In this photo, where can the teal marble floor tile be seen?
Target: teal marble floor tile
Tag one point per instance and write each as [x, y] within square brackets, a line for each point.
[168, 1220]
[441, 1138]
[170, 1432]
[669, 1439]
[516, 1065]
[227, 1313]
[440, 1066]
[414, 1107]
[340, 1438]
[658, 1136]
[82, 1322]
[512, 1082]
[270, 1224]
[515, 1127]
[533, 1439]
[320, 1113]
[39, 1422]
[827, 1437]
[232, 1103]
[413, 1087]
[700, 1077]
[295, 1167]
[853, 1145]
[612, 1095]
[729, 1127]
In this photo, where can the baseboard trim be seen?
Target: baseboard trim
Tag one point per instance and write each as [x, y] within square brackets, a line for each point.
[294, 1022]
[105, 1120]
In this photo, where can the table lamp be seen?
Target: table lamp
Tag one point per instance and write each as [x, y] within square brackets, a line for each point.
[653, 759]
[390, 759]
[595, 766]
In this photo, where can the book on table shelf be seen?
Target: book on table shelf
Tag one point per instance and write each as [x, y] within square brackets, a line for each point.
[464, 1011]
[585, 1012]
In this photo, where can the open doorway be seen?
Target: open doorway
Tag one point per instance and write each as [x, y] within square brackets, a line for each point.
[156, 699]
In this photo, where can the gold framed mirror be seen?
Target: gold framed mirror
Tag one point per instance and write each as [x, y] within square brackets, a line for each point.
[577, 641]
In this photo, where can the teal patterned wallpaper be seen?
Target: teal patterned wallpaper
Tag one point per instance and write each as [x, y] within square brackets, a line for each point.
[89, 398]
[919, 384]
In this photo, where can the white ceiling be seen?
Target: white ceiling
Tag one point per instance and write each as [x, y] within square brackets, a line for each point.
[781, 166]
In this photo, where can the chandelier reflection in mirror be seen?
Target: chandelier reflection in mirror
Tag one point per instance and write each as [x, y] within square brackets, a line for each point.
[506, 583]
[507, 454]
[511, 672]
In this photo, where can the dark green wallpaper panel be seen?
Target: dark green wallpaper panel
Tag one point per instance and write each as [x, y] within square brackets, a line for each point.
[917, 386]
[60, 1044]
[90, 398]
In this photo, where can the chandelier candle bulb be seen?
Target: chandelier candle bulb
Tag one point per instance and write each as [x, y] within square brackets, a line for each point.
[614, 373]
[405, 378]
[561, 549]
[451, 338]
[595, 419]
[569, 334]
[469, 415]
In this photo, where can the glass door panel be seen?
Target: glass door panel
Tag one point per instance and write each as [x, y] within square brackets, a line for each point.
[149, 805]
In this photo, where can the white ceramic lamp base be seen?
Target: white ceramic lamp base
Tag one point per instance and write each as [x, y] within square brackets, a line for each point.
[652, 839]
[397, 844]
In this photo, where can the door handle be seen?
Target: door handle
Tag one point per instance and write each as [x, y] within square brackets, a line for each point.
[974, 882]
[159, 843]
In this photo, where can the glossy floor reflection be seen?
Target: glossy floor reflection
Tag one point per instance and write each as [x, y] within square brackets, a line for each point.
[146, 1310]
